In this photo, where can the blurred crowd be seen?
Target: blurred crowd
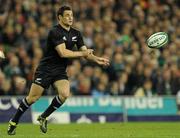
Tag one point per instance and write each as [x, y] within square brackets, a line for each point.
[115, 29]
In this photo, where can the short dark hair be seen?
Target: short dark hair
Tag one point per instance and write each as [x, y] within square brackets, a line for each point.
[62, 9]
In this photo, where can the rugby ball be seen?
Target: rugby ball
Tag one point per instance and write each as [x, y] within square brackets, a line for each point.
[157, 40]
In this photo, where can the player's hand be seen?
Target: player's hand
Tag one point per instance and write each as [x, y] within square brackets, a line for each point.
[2, 54]
[88, 52]
[102, 61]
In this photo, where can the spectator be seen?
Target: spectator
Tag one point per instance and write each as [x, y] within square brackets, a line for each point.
[4, 84]
[84, 86]
[18, 85]
[100, 90]
[145, 90]
[116, 29]
[13, 67]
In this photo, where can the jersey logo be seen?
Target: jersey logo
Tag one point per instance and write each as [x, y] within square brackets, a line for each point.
[74, 38]
[64, 38]
[38, 80]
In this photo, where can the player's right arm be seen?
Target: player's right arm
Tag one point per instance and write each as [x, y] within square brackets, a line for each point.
[66, 53]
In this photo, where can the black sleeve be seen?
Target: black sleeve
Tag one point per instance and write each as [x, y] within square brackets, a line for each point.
[55, 38]
[80, 41]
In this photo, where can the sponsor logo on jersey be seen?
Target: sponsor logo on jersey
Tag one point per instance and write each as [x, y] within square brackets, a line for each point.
[74, 38]
[64, 38]
[38, 80]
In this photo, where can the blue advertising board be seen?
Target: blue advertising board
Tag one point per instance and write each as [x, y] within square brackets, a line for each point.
[8, 107]
[102, 109]
[130, 105]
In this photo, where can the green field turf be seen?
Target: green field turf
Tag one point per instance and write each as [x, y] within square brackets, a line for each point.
[108, 130]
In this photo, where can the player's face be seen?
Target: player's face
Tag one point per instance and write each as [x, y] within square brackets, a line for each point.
[67, 17]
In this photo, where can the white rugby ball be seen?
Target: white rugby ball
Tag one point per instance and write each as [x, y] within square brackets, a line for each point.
[157, 40]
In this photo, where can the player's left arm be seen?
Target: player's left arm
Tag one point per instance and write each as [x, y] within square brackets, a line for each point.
[98, 60]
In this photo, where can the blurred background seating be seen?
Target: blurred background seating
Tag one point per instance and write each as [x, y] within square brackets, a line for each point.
[115, 29]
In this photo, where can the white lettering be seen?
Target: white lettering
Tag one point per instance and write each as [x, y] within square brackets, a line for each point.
[15, 103]
[102, 119]
[84, 119]
[141, 103]
[160, 103]
[129, 103]
[4, 106]
[116, 101]
[74, 102]
[104, 101]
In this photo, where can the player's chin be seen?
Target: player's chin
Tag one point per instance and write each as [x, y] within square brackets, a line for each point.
[70, 23]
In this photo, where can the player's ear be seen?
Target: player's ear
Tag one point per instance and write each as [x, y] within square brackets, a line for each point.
[59, 17]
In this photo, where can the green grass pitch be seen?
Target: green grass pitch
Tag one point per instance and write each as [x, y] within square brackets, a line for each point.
[107, 130]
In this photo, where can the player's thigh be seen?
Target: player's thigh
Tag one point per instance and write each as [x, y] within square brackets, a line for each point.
[34, 93]
[62, 87]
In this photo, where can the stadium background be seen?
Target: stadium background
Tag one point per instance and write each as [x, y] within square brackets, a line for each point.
[148, 78]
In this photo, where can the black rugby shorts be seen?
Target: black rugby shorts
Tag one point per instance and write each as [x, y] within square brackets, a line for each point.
[46, 77]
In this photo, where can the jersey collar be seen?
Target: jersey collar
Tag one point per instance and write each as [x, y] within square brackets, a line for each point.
[64, 28]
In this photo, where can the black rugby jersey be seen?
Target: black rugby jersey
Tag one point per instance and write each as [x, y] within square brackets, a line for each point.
[58, 35]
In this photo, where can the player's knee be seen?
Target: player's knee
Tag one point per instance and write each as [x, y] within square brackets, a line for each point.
[32, 99]
[65, 94]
